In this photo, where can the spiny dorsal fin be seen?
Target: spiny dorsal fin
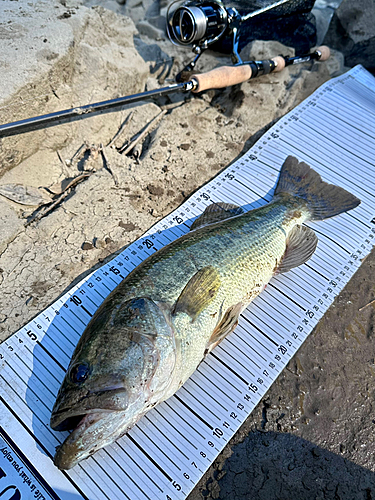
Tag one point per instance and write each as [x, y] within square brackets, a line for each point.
[216, 212]
[198, 293]
[226, 325]
[300, 246]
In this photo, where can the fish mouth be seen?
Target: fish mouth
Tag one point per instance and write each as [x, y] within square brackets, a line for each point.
[78, 445]
[63, 420]
[95, 420]
[66, 416]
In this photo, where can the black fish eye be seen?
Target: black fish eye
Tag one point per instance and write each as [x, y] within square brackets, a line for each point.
[78, 373]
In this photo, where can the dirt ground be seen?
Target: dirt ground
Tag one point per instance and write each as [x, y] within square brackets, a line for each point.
[312, 436]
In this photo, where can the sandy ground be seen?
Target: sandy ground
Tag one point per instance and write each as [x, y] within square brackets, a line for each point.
[312, 435]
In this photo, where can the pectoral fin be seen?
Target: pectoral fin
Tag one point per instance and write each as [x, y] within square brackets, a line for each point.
[300, 246]
[216, 212]
[227, 324]
[198, 293]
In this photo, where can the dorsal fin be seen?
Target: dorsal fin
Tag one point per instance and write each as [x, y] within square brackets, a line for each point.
[300, 246]
[199, 292]
[216, 212]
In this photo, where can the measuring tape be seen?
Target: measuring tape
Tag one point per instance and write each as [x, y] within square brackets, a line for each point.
[170, 448]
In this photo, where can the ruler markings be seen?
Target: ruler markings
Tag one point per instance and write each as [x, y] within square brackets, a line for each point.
[329, 143]
[40, 444]
[197, 403]
[297, 285]
[181, 417]
[260, 365]
[259, 304]
[261, 342]
[169, 423]
[224, 351]
[348, 105]
[331, 152]
[242, 354]
[43, 364]
[339, 118]
[221, 377]
[148, 443]
[158, 430]
[243, 333]
[216, 382]
[332, 128]
[53, 358]
[61, 333]
[48, 444]
[29, 370]
[137, 467]
[256, 315]
[214, 390]
[342, 155]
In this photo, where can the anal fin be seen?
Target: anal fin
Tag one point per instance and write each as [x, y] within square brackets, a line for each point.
[226, 325]
[300, 246]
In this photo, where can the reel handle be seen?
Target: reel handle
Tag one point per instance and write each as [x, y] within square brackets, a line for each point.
[225, 76]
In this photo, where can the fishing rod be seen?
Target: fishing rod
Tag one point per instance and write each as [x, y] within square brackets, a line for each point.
[221, 77]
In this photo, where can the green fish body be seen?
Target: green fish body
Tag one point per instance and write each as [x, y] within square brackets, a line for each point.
[154, 329]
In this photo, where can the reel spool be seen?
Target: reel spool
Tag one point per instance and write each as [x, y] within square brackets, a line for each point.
[197, 23]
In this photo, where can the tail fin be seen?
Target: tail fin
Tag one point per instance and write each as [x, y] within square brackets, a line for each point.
[323, 200]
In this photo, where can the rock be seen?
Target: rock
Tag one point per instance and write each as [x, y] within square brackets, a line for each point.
[87, 245]
[158, 22]
[155, 190]
[259, 49]
[152, 9]
[323, 15]
[145, 28]
[128, 226]
[88, 56]
[352, 31]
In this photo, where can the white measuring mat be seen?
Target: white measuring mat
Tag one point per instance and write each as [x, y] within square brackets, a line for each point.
[167, 452]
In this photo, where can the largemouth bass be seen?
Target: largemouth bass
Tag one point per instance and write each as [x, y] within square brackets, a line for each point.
[154, 329]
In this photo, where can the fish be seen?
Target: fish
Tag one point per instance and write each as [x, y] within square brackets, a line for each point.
[155, 328]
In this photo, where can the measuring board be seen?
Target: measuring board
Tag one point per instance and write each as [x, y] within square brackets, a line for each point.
[167, 452]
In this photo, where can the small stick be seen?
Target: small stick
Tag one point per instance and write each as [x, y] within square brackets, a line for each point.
[108, 165]
[125, 150]
[60, 198]
[77, 154]
[121, 129]
[364, 307]
[64, 169]
[41, 214]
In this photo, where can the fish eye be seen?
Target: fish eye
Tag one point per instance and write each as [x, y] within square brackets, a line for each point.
[79, 372]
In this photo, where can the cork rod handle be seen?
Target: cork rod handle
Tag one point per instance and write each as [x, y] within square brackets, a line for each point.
[225, 76]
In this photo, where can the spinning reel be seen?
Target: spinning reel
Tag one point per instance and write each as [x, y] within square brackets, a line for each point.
[200, 24]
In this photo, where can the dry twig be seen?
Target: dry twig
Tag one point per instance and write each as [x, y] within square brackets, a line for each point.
[58, 199]
[127, 148]
[121, 129]
[364, 307]
[108, 166]
[77, 154]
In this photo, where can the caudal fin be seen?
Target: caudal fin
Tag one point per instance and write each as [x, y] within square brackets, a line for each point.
[323, 200]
